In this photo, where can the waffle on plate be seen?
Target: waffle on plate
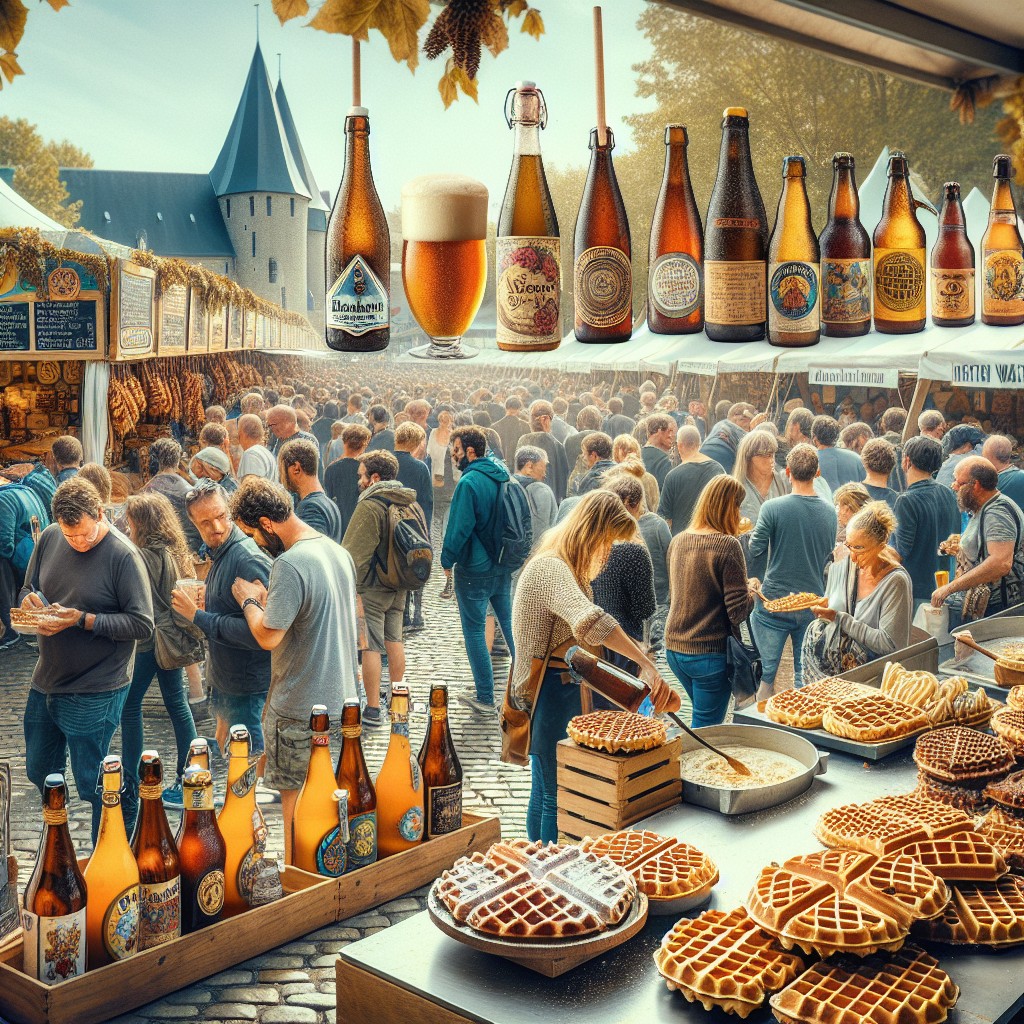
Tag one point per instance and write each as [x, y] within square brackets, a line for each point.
[794, 602]
[980, 914]
[617, 731]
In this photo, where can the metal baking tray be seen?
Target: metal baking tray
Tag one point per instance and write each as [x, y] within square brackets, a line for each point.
[745, 801]
[978, 669]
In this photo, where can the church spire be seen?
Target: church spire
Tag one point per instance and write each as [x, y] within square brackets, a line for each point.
[292, 135]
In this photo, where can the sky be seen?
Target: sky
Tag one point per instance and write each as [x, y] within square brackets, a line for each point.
[152, 85]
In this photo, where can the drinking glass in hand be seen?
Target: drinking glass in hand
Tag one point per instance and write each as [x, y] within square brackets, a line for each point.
[444, 259]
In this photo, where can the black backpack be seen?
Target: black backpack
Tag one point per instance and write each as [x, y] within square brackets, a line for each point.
[404, 559]
[513, 533]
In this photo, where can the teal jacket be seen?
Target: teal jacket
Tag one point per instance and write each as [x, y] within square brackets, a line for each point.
[472, 521]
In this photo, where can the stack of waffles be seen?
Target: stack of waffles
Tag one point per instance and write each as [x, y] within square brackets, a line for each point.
[955, 764]
[1003, 826]
[617, 732]
[1008, 725]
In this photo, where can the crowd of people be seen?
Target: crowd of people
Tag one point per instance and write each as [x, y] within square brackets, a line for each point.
[552, 519]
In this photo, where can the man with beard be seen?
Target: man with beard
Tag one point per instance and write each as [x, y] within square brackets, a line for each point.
[299, 462]
[992, 545]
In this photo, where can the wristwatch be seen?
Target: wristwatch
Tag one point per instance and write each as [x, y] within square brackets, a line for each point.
[251, 601]
[81, 621]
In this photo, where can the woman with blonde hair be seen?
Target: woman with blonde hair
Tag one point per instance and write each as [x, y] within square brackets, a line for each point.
[848, 499]
[710, 597]
[757, 471]
[869, 597]
[626, 447]
[553, 610]
[445, 477]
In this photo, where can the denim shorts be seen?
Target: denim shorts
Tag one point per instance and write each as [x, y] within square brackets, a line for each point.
[242, 709]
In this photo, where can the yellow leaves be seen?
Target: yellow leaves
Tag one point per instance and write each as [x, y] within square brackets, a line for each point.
[284, 9]
[494, 35]
[59, 4]
[533, 23]
[9, 67]
[513, 8]
[13, 14]
[399, 21]
[452, 80]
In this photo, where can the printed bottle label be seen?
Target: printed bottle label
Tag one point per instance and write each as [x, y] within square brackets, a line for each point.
[529, 291]
[210, 893]
[244, 783]
[332, 854]
[1002, 288]
[357, 302]
[198, 798]
[845, 291]
[121, 925]
[734, 291]
[899, 284]
[54, 947]
[603, 286]
[410, 825]
[443, 809]
[952, 294]
[248, 871]
[793, 288]
[675, 285]
[362, 840]
[159, 912]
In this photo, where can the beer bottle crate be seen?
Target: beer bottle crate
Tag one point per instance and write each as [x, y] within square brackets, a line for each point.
[600, 792]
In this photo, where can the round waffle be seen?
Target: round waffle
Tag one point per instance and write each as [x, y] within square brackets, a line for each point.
[724, 960]
[1006, 833]
[1008, 725]
[963, 756]
[617, 731]
[873, 719]
[980, 914]
[914, 688]
[1015, 698]
[970, 801]
[1008, 792]
[794, 602]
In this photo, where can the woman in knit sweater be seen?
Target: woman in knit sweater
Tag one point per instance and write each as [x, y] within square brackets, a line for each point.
[553, 609]
[710, 597]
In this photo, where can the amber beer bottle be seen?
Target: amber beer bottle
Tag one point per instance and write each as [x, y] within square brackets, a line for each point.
[156, 854]
[442, 772]
[602, 273]
[845, 258]
[241, 824]
[952, 264]
[735, 241]
[675, 255]
[201, 853]
[528, 248]
[358, 251]
[112, 913]
[622, 689]
[1002, 282]
[899, 256]
[54, 915]
[352, 776]
[198, 757]
[399, 785]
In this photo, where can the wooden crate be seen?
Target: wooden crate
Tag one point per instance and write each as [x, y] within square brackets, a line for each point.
[599, 792]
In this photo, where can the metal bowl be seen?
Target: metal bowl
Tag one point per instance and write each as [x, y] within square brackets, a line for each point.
[745, 801]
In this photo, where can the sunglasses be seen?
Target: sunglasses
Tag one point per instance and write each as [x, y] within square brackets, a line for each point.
[200, 491]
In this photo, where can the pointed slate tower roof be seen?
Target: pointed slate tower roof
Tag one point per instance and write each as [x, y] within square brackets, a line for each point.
[256, 156]
[292, 135]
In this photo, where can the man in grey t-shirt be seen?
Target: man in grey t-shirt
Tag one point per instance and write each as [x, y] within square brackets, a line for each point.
[307, 619]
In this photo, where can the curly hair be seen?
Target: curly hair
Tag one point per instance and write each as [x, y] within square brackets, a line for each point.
[155, 524]
[301, 452]
[380, 462]
[256, 499]
[75, 498]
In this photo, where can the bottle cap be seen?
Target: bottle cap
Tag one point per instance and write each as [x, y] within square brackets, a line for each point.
[948, 186]
[842, 158]
[525, 86]
[358, 112]
[1002, 166]
[53, 780]
[793, 167]
[239, 734]
[735, 112]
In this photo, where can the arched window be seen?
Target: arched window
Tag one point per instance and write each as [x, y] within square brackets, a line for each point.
[273, 271]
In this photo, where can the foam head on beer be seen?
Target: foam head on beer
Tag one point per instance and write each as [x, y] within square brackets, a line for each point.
[444, 208]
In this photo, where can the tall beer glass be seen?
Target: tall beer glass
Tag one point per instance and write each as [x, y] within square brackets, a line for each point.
[444, 259]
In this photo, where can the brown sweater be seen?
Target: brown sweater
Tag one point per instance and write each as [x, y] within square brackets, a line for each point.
[708, 592]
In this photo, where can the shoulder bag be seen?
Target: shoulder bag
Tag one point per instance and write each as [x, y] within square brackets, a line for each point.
[516, 721]
[176, 641]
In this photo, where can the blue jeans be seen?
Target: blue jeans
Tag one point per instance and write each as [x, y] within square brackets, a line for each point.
[245, 709]
[473, 596]
[770, 632]
[705, 678]
[81, 724]
[556, 704]
[172, 689]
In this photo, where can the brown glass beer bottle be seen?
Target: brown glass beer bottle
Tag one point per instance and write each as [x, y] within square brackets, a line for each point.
[622, 689]
[845, 258]
[442, 772]
[952, 264]
[353, 776]
[201, 854]
[1002, 272]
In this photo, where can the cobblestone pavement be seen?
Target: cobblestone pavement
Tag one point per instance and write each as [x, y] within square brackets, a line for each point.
[293, 984]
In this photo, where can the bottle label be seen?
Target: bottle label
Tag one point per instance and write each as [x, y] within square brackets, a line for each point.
[362, 841]
[54, 947]
[244, 783]
[332, 854]
[357, 302]
[793, 288]
[675, 285]
[198, 798]
[603, 286]
[159, 912]
[248, 871]
[899, 284]
[734, 291]
[443, 809]
[121, 925]
[529, 291]
[415, 778]
[210, 893]
[845, 291]
[740, 223]
[1002, 288]
[952, 294]
[410, 825]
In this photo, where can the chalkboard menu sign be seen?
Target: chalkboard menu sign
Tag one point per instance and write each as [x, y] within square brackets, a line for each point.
[68, 326]
[249, 332]
[133, 304]
[15, 327]
[198, 324]
[172, 320]
[235, 326]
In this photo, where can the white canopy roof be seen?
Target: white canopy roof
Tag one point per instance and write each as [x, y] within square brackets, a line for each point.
[17, 212]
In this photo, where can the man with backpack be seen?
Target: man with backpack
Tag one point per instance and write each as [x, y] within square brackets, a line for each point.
[18, 505]
[489, 536]
[389, 542]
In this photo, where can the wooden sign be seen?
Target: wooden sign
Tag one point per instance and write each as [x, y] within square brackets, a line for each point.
[249, 329]
[132, 311]
[198, 323]
[172, 321]
[219, 330]
[235, 327]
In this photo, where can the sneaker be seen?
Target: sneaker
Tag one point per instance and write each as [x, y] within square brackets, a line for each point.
[10, 640]
[265, 795]
[449, 587]
[174, 798]
[372, 718]
[478, 707]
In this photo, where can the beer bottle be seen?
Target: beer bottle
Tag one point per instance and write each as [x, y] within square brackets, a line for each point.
[157, 858]
[845, 258]
[201, 853]
[675, 285]
[112, 912]
[241, 824]
[952, 264]
[198, 757]
[602, 273]
[899, 259]
[54, 915]
[358, 251]
[442, 772]
[316, 840]
[528, 248]
[1002, 282]
[735, 241]
[399, 785]
[610, 681]
[353, 777]
[793, 317]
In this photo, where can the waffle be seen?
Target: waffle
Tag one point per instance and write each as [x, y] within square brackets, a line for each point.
[724, 960]
[980, 914]
[951, 545]
[908, 986]
[617, 731]
[1015, 698]
[524, 890]
[33, 618]
[914, 688]
[974, 709]
[1008, 792]
[833, 689]
[664, 868]
[1008, 725]
[796, 708]
[794, 602]
[844, 901]
[873, 719]
[960, 755]
[963, 798]
[953, 687]
[1006, 833]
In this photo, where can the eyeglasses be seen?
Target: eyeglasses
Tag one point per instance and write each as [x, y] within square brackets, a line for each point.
[201, 491]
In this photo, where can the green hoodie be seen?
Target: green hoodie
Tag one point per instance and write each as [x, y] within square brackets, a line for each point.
[472, 521]
[366, 527]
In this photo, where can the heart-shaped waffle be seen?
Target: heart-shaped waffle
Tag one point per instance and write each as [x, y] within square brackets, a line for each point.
[873, 719]
[963, 756]
[980, 914]
[617, 731]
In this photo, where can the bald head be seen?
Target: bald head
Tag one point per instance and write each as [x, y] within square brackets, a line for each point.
[282, 421]
[998, 449]
[687, 440]
[250, 429]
